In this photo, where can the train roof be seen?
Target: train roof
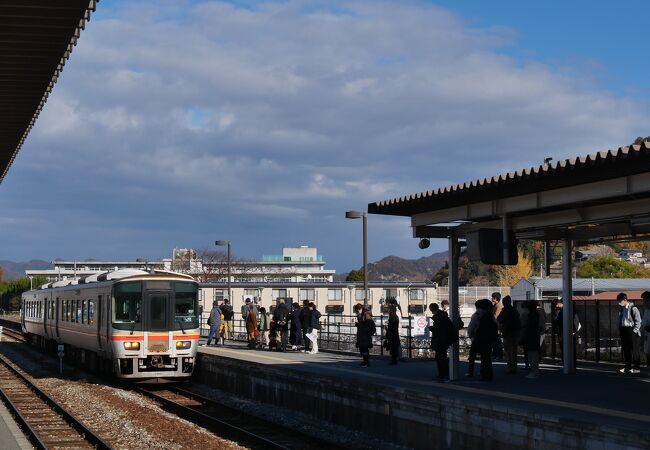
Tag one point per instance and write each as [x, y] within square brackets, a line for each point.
[114, 276]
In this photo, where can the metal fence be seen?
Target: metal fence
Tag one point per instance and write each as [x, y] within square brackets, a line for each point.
[598, 339]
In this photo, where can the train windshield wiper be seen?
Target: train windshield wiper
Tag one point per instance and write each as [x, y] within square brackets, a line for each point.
[133, 322]
[178, 319]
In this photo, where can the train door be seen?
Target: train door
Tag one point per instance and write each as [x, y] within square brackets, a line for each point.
[157, 307]
[57, 314]
[157, 319]
[100, 305]
[44, 305]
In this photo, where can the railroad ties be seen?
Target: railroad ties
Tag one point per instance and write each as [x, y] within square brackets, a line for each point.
[231, 423]
[47, 424]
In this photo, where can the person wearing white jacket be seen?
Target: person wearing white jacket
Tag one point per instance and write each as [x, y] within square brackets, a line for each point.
[629, 325]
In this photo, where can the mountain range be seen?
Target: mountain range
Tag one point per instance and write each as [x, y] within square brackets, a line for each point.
[12, 270]
[394, 268]
[390, 268]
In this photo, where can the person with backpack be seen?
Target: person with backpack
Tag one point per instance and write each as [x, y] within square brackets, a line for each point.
[510, 327]
[281, 319]
[214, 320]
[228, 314]
[629, 326]
[366, 328]
[531, 330]
[487, 332]
[443, 335]
[264, 327]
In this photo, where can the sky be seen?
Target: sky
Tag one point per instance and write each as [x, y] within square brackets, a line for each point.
[176, 123]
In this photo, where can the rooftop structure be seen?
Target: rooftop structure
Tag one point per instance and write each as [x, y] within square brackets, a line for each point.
[602, 197]
[296, 264]
[37, 39]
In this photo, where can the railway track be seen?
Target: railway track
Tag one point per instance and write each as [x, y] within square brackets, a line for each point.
[13, 334]
[231, 423]
[47, 424]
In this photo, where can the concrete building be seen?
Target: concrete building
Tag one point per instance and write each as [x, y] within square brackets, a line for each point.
[549, 288]
[331, 297]
[295, 264]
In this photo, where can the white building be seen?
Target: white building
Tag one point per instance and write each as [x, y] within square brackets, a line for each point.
[335, 298]
[295, 264]
[549, 288]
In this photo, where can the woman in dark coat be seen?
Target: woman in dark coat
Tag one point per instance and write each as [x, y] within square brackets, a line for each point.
[365, 330]
[531, 331]
[392, 334]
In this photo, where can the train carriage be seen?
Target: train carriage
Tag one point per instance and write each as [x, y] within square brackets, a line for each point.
[144, 325]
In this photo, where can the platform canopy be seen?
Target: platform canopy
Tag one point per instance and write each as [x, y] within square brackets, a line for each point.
[595, 198]
[36, 39]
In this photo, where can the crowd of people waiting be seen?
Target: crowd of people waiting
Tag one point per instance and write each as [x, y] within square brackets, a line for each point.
[290, 326]
[497, 329]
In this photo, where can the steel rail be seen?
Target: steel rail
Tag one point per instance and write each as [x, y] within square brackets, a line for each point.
[74, 422]
[222, 427]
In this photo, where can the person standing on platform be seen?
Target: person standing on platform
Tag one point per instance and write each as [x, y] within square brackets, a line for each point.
[314, 327]
[264, 327]
[228, 314]
[497, 351]
[629, 326]
[251, 328]
[645, 326]
[393, 342]
[510, 327]
[296, 328]
[531, 332]
[365, 330]
[487, 332]
[443, 335]
[305, 318]
[281, 319]
[214, 320]
[471, 333]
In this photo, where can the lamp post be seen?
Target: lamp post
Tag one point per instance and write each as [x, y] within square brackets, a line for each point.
[364, 216]
[221, 243]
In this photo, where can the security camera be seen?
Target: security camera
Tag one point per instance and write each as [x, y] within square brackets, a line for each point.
[424, 243]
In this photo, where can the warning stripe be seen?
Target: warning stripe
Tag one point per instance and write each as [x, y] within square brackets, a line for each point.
[155, 337]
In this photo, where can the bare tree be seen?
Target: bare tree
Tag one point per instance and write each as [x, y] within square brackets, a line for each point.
[214, 265]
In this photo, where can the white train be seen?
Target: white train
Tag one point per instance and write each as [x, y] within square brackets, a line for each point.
[142, 325]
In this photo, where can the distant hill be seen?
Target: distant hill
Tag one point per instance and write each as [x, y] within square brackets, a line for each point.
[394, 268]
[12, 270]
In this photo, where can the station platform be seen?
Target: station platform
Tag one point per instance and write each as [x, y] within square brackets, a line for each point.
[11, 438]
[595, 408]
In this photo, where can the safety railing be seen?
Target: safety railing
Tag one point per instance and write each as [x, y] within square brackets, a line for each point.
[597, 340]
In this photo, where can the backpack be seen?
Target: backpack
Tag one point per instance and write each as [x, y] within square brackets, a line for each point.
[487, 330]
[227, 313]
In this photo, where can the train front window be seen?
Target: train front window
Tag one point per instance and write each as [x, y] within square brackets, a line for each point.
[127, 306]
[186, 306]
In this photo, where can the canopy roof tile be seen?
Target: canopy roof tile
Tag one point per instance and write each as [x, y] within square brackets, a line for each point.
[36, 39]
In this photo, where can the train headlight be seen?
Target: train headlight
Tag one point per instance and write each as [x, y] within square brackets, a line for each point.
[183, 345]
[131, 346]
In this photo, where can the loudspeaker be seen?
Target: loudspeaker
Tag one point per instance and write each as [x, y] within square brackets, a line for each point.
[486, 245]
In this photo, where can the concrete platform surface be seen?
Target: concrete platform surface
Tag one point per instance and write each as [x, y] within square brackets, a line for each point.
[598, 395]
[11, 438]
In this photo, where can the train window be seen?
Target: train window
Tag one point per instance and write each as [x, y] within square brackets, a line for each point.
[64, 312]
[84, 311]
[127, 306]
[91, 312]
[186, 306]
[77, 311]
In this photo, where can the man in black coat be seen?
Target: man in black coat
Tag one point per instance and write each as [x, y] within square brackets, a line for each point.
[281, 319]
[305, 318]
[442, 337]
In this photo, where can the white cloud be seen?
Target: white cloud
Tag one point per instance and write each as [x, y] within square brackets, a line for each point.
[299, 110]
